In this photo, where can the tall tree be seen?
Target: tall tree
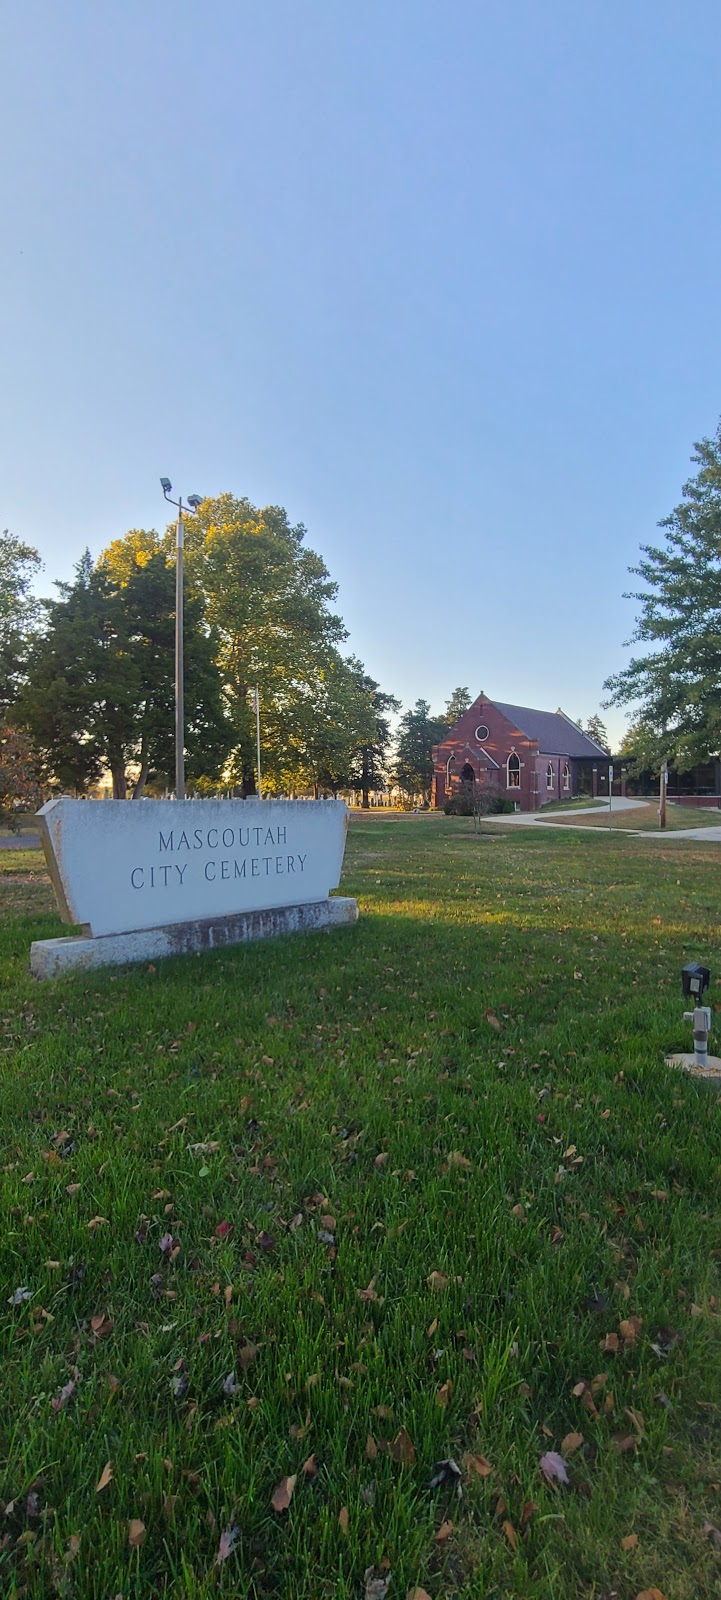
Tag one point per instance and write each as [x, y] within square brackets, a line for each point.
[459, 702]
[676, 682]
[19, 611]
[268, 600]
[101, 680]
[418, 733]
[596, 729]
[367, 768]
[20, 776]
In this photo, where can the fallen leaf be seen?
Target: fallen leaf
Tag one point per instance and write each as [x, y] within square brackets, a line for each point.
[98, 1222]
[380, 1160]
[228, 1541]
[376, 1582]
[136, 1533]
[650, 1594]
[343, 1521]
[19, 1295]
[59, 1401]
[371, 1450]
[630, 1542]
[493, 1021]
[611, 1344]
[710, 1532]
[624, 1443]
[104, 1478]
[445, 1472]
[418, 1594]
[310, 1467]
[477, 1464]
[402, 1448]
[445, 1393]
[444, 1532]
[369, 1295]
[457, 1159]
[231, 1385]
[553, 1467]
[72, 1188]
[511, 1535]
[571, 1442]
[630, 1328]
[283, 1493]
[223, 1229]
[437, 1281]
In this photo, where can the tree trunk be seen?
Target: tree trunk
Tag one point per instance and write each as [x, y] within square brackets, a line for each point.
[365, 783]
[120, 787]
[139, 787]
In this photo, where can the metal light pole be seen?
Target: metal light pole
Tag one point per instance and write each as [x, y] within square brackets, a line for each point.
[194, 500]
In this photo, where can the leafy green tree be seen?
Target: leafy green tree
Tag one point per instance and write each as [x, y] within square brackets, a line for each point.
[418, 733]
[268, 600]
[367, 768]
[676, 681]
[459, 702]
[19, 612]
[100, 691]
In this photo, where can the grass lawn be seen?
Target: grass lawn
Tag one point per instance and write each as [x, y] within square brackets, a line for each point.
[297, 1222]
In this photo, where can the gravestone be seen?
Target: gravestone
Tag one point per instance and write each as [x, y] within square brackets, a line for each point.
[149, 878]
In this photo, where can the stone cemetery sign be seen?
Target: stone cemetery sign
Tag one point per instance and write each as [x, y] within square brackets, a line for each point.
[147, 878]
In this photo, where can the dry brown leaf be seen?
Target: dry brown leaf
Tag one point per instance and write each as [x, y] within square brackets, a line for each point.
[104, 1478]
[402, 1448]
[457, 1159]
[310, 1467]
[136, 1533]
[511, 1535]
[343, 1521]
[283, 1493]
[437, 1281]
[380, 1160]
[630, 1542]
[624, 1443]
[418, 1594]
[444, 1532]
[445, 1393]
[493, 1021]
[369, 1295]
[571, 1442]
[371, 1448]
[477, 1464]
[650, 1594]
[630, 1328]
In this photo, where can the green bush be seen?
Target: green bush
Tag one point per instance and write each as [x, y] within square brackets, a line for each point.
[467, 804]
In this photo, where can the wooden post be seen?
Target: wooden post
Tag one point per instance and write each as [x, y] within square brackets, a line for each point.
[662, 795]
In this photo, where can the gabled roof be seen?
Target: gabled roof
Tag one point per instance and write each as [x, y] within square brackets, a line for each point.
[555, 733]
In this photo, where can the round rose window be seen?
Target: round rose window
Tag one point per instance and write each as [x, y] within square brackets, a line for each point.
[482, 732]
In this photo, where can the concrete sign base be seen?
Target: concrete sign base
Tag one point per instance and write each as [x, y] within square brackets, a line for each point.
[50, 958]
[710, 1074]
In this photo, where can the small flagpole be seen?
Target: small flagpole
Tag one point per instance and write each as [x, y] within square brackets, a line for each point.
[257, 736]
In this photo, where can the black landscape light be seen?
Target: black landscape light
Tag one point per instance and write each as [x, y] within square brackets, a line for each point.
[695, 979]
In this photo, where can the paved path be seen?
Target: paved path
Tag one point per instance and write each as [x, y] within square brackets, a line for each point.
[564, 819]
[19, 841]
[561, 819]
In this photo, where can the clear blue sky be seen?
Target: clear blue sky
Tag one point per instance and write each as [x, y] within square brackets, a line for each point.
[442, 279]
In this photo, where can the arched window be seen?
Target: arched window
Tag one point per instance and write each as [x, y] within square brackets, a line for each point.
[549, 776]
[566, 776]
[468, 775]
[513, 766]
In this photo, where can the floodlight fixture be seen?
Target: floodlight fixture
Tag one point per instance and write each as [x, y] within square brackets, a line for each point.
[195, 500]
[166, 485]
[694, 979]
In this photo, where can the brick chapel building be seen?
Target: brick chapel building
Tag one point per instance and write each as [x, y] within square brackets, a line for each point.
[526, 756]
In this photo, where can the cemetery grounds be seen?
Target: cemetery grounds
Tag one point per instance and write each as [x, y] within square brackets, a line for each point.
[383, 1262]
